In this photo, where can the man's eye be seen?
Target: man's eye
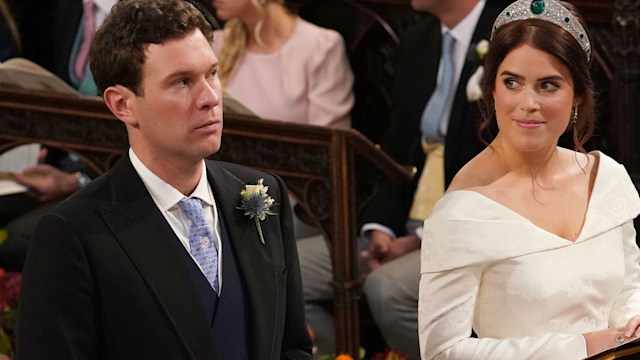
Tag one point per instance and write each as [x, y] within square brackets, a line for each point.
[181, 83]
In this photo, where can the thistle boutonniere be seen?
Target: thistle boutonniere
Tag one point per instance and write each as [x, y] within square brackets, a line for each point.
[256, 203]
[474, 92]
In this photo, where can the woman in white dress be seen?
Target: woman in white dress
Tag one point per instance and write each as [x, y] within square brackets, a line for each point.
[533, 245]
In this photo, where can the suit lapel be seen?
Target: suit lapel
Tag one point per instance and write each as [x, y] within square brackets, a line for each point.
[428, 78]
[460, 110]
[153, 248]
[254, 258]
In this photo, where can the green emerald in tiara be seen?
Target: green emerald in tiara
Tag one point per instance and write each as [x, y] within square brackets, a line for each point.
[537, 6]
[546, 10]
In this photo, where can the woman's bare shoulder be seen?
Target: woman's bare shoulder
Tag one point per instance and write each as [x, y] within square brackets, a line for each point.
[478, 172]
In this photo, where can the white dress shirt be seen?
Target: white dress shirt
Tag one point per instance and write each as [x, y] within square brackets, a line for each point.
[166, 198]
[102, 9]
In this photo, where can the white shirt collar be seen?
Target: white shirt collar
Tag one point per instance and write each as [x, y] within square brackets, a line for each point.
[165, 195]
[463, 32]
[103, 8]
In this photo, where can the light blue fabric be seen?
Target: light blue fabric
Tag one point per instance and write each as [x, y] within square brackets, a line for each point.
[88, 85]
[201, 240]
[435, 109]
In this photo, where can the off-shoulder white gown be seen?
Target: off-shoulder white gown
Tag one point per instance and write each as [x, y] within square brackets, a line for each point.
[527, 293]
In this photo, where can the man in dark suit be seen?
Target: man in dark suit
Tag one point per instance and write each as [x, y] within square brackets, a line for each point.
[119, 270]
[393, 255]
[62, 174]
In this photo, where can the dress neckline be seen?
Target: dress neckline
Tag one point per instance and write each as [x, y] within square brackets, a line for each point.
[597, 184]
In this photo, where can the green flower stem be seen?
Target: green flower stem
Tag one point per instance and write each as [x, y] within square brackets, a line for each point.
[257, 221]
[5, 343]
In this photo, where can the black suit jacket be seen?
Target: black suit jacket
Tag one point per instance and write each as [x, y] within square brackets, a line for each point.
[48, 29]
[103, 281]
[414, 82]
[65, 28]
[34, 19]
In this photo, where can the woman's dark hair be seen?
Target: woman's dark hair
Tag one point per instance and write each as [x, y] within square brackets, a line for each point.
[556, 41]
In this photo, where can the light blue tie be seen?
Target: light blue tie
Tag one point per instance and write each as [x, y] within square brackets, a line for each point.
[201, 240]
[434, 111]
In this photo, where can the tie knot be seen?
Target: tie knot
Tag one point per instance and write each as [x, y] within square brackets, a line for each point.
[447, 43]
[192, 208]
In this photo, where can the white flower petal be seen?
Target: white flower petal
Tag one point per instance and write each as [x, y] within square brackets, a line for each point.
[482, 48]
[474, 92]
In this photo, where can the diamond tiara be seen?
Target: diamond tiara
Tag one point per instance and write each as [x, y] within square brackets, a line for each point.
[547, 10]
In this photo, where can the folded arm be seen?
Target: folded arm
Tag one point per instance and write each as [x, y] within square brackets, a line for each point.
[445, 314]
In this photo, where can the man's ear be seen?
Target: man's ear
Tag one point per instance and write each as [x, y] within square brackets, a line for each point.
[121, 101]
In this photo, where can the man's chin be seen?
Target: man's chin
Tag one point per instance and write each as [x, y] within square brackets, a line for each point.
[211, 150]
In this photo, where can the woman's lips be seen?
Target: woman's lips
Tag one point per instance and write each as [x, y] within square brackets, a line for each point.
[529, 124]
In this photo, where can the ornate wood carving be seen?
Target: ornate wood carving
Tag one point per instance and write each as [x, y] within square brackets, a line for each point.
[625, 87]
[626, 82]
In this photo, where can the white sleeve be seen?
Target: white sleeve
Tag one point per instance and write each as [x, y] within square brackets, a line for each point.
[627, 304]
[445, 314]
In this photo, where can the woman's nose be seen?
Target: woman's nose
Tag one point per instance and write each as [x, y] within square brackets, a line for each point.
[530, 101]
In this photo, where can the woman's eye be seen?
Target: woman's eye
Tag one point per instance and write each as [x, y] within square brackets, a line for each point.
[511, 83]
[548, 85]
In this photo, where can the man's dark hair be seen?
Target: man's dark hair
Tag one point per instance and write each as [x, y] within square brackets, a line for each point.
[118, 49]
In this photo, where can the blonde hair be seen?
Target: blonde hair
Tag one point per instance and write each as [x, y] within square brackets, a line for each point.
[11, 24]
[236, 35]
